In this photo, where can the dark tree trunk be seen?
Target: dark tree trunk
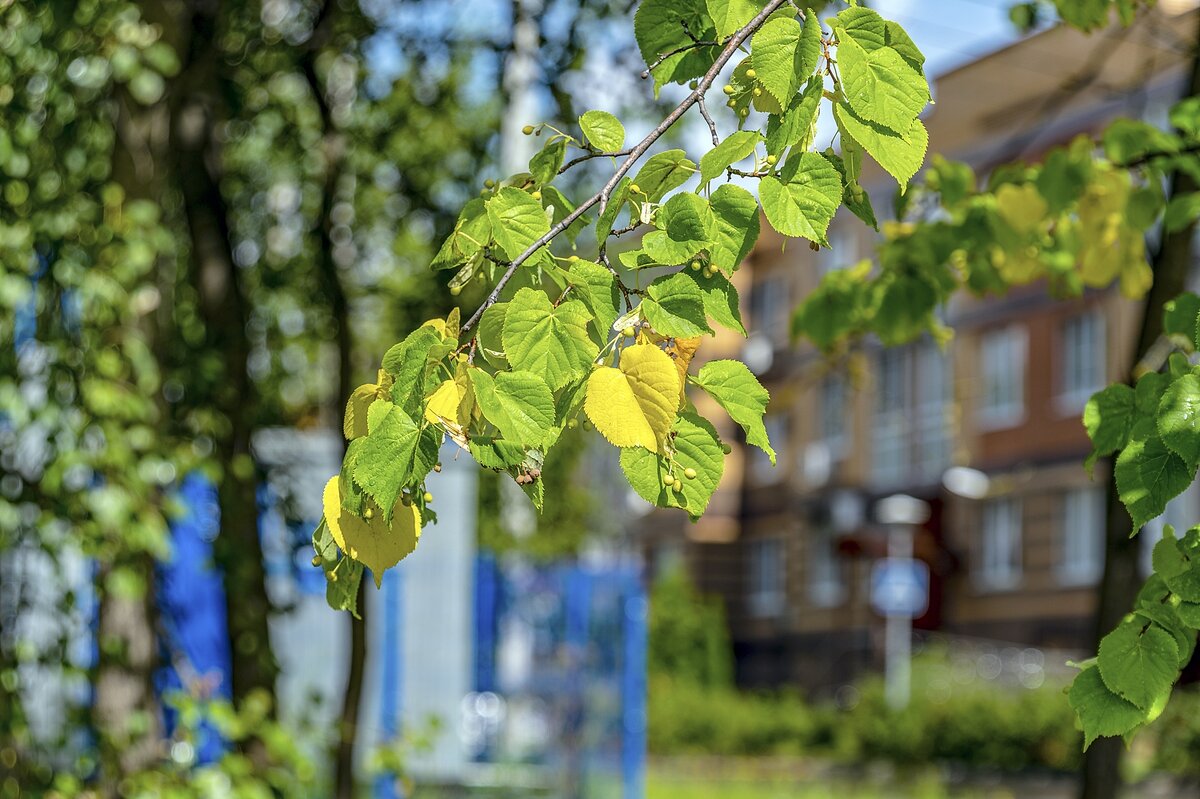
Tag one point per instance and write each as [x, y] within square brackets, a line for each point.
[197, 108]
[1101, 778]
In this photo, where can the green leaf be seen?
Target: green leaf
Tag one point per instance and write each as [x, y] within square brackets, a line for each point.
[519, 404]
[899, 40]
[900, 153]
[491, 332]
[1181, 573]
[686, 223]
[408, 363]
[805, 205]
[862, 26]
[603, 130]
[1101, 712]
[720, 299]
[1163, 614]
[1139, 661]
[664, 171]
[386, 461]
[797, 125]
[1179, 419]
[881, 86]
[472, 232]
[546, 162]
[662, 26]
[1108, 418]
[730, 16]
[784, 54]
[342, 593]
[616, 201]
[738, 391]
[598, 289]
[548, 341]
[494, 453]
[735, 226]
[904, 308]
[1180, 315]
[674, 306]
[836, 308]
[695, 446]
[518, 220]
[1148, 476]
[734, 148]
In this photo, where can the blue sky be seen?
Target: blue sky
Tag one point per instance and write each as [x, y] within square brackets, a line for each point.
[952, 32]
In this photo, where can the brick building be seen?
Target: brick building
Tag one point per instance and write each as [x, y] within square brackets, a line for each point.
[789, 549]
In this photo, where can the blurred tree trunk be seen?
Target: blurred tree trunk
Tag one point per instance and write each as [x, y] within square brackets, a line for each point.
[1101, 777]
[333, 151]
[198, 107]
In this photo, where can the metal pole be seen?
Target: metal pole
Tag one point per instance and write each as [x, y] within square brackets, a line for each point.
[897, 645]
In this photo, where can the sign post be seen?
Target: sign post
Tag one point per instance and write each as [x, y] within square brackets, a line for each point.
[899, 591]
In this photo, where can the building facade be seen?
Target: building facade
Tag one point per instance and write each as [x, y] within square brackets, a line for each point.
[790, 548]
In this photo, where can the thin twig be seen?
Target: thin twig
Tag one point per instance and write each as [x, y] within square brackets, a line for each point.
[601, 197]
[589, 156]
[658, 61]
[712, 127]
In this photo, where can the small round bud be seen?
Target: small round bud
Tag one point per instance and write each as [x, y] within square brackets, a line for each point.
[677, 485]
[726, 449]
[537, 195]
[572, 258]
[535, 473]
[587, 425]
[369, 514]
[527, 130]
[693, 84]
[437, 467]
[331, 576]
[427, 497]
[750, 73]
[731, 103]
[689, 473]
[745, 112]
[710, 271]
[405, 500]
[772, 160]
[757, 92]
[572, 424]
[463, 357]
[455, 291]
[316, 560]
[489, 183]
[635, 188]
[728, 89]
[629, 332]
[696, 266]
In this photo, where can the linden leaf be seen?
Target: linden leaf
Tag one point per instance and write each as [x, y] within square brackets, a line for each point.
[1139, 661]
[634, 405]
[518, 220]
[664, 29]
[733, 148]
[443, 405]
[598, 289]
[1179, 418]
[548, 341]
[730, 16]
[900, 153]
[735, 227]
[603, 130]
[784, 54]
[695, 449]
[881, 86]
[674, 306]
[720, 299]
[738, 391]
[1101, 712]
[686, 224]
[664, 171]
[354, 424]
[375, 542]
[394, 454]
[1108, 418]
[1148, 476]
[805, 205]
[519, 404]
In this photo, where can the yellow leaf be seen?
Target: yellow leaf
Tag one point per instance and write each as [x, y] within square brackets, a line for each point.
[453, 324]
[1136, 276]
[444, 403]
[354, 424]
[634, 406]
[1022, 207]
[682, 350]
[437, 324]
[373, 542]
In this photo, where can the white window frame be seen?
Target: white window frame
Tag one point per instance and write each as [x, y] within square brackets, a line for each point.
[823, 569]
[766, 594]
[1081, 550]
[769, 307]
[1000, 562]
[1003, 358]
[1076, 385]
[833, 415]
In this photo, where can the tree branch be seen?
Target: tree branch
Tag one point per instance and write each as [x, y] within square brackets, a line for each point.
[590, 156]
[658, 61]
[601, 197]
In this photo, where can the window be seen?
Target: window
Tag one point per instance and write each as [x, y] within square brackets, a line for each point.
[769, 308]
[833, 415]
[766, 596]
[826, 583]
[1083, 345]
[842, 251]
[1000, 547]
[760, 463]
[911, 431]
[1081, 558]
[1002, 362]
